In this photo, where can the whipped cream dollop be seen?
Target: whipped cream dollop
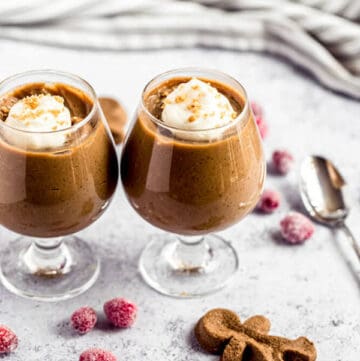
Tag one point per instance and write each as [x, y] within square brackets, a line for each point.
[39, 113]
[196, 105]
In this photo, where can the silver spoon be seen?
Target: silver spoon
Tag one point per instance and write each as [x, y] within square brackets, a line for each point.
[321, 192]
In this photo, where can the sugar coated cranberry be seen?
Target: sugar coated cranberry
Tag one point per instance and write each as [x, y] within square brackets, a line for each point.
[120, 312]
[282, 161]
[97, 354]
[8, 340]
[262, 126]
[259, 119]
[257, 110]
[296, 228]
[269, 201]
[84, 319]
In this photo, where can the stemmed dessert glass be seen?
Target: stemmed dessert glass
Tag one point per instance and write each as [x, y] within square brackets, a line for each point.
[49, 192]
[191, 183]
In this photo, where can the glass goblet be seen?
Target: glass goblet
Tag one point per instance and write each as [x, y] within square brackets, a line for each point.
[53, 184]
[191, 183]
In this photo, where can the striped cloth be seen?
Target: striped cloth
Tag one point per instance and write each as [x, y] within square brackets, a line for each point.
[322, 36]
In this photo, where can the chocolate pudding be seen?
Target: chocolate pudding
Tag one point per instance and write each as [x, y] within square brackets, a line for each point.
[190, 181]
[56, 182]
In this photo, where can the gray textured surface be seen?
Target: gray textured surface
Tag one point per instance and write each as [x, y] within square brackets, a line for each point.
[312, 289]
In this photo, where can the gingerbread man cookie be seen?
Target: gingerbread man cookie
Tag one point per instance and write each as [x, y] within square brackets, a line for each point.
[220, 331]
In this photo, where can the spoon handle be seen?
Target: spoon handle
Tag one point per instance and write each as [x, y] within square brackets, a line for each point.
[352, 239]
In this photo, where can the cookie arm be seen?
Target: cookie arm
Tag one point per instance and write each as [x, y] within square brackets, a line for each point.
[258, 323]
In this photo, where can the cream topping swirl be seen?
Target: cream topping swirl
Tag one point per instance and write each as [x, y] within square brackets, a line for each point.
[39, 113]
[196, 105]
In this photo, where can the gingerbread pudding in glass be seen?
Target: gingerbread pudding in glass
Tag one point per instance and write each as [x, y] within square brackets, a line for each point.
[192, 165]
[58, 172]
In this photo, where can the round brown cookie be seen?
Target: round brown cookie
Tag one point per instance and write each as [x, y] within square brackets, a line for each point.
[116, 117]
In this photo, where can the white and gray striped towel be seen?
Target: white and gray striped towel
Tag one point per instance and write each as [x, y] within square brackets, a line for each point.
[323, 36]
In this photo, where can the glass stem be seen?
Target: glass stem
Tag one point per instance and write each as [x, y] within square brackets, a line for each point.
[47, 257]
[192, 253]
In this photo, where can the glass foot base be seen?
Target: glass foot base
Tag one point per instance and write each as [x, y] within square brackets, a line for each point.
[77, 269]
[186, 270]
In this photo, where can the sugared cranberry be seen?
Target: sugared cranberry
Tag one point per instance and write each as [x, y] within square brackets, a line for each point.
[84, 319]
[97, 354]
[263, 127]
[120, 312]
[296, 228]
[282, 161]
[8, 340]
[269, 201]
[257, 110]
[259, 119]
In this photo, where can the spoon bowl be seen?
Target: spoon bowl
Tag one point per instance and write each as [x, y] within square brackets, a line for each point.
[321, 190]
[321, 187]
